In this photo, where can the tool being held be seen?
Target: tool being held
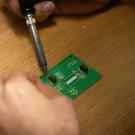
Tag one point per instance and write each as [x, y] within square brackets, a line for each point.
[28, 10]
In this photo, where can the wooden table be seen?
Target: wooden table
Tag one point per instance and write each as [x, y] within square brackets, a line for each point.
[105, 40]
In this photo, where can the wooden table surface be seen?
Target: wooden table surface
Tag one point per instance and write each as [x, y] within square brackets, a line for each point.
[105, 40]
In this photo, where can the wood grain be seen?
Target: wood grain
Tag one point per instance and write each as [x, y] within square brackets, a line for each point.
[105, 40]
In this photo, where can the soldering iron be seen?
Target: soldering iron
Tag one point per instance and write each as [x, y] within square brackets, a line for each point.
[27, 10]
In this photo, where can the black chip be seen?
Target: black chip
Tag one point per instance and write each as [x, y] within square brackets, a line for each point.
[52, 78]
[84, 68]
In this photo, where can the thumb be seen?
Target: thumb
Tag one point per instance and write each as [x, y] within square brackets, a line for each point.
[44, 9]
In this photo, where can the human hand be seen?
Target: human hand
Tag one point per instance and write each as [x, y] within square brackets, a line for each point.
[28, 107]
[46, 8]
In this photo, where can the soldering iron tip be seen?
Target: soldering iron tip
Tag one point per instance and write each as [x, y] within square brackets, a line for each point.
[44, 69]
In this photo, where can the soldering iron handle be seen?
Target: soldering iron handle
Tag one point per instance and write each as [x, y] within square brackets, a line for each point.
[28, 5]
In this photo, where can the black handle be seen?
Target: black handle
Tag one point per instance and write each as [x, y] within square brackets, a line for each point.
[27, 6]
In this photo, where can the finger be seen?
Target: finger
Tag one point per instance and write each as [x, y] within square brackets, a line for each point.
[48, 91]
[19, 88]
[31, 76]
[17, 83]
[44, 89]
[44, 9]
[6, 76]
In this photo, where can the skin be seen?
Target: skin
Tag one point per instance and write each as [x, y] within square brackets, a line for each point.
[28, 107]
[46, 8]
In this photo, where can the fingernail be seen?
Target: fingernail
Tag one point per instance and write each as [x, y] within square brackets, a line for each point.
[48, 8]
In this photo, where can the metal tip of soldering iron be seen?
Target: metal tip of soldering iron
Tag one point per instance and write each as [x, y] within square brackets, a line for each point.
[44, 69]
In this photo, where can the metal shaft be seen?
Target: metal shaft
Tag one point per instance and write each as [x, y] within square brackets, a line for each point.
[31, 24]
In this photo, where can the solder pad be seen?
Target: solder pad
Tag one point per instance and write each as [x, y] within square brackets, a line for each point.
[69, 78]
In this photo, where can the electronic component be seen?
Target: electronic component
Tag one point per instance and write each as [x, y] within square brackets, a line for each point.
[71, 76]
[84, 68]
[71, 80]
[52, 78]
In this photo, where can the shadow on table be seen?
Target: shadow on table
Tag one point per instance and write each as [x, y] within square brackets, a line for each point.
[131, 3]
[97, 12]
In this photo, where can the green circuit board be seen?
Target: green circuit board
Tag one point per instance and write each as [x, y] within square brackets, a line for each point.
[71, 77]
